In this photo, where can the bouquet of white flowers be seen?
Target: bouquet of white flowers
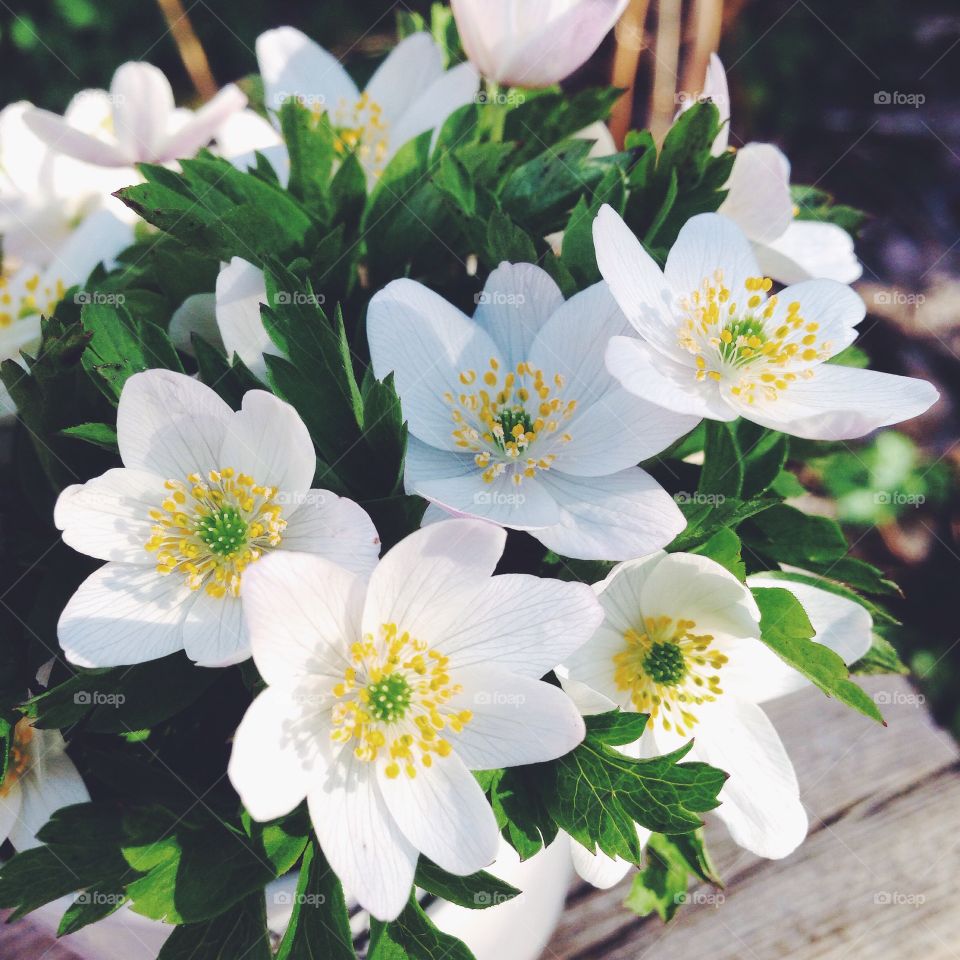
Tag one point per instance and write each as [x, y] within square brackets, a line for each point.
[400, 472]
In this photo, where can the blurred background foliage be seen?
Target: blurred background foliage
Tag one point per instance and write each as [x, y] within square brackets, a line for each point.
[818, 78]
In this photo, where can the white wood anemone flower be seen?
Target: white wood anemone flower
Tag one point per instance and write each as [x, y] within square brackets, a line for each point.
[409, 94]
[45, 196]
[205, 492]
[713, 343]
[230, 317]
[533, 43]
[759, 201]
[143, 124]
[680, 642]
[514, 418]
[40, 779]
[382, 697]
[32, 291]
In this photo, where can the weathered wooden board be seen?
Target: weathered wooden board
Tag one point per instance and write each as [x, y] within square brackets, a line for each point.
[877, 879]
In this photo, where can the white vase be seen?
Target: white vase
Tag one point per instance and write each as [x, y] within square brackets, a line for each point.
[518, 929]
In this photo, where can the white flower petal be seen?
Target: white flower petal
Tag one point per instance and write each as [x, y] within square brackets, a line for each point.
[124, 614]
[617, 517]
[427, 343]
[612, 429]
[448, 93]
[203, 125]
[142, 107]
[268, 441]
[758, 197]
[840, 403]
[593, 667]
[426, 581]
[716, 89]
[109, 517]
[809, 249]
[170, 424]
[834, 307]
[453, 481]
[281, 748]
[598, 869]
[517, 300]
[686, 586]
[240, 291]
[100, 237]
[409, 70]
[760, 803]
[360, 838]
[637, 283]
[10, 803]
[587, 700]
[516, 720]
[293, 65]
[443, 812]
[197, 314]
[523, 624]
[66, 139]
[647, 374]
[333, 527]
[302, 612]
[244, 132]
[706, 243]
[214, 633]
[50, 783]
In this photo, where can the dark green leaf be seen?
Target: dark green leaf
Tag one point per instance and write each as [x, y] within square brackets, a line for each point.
[786, 629]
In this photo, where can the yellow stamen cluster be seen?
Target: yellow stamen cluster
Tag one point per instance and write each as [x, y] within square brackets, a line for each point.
[34, 299]
[362, 129]
[747, 339]
[505, 415]
[392, 702]
[19, 758]
[211, 528]
[669, 671]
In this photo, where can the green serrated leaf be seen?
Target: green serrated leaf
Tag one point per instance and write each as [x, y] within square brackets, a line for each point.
[786, 629]
[319, 927]
[475, 892]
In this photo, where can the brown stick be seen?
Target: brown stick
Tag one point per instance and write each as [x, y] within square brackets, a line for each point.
[191, 50]
[663, 100]
[630, 44]
[705, 30]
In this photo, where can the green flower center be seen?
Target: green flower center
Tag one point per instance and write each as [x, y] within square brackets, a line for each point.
[389, 697]
[516, 423]
[665, 664]
[224, 531]
[739, 332]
